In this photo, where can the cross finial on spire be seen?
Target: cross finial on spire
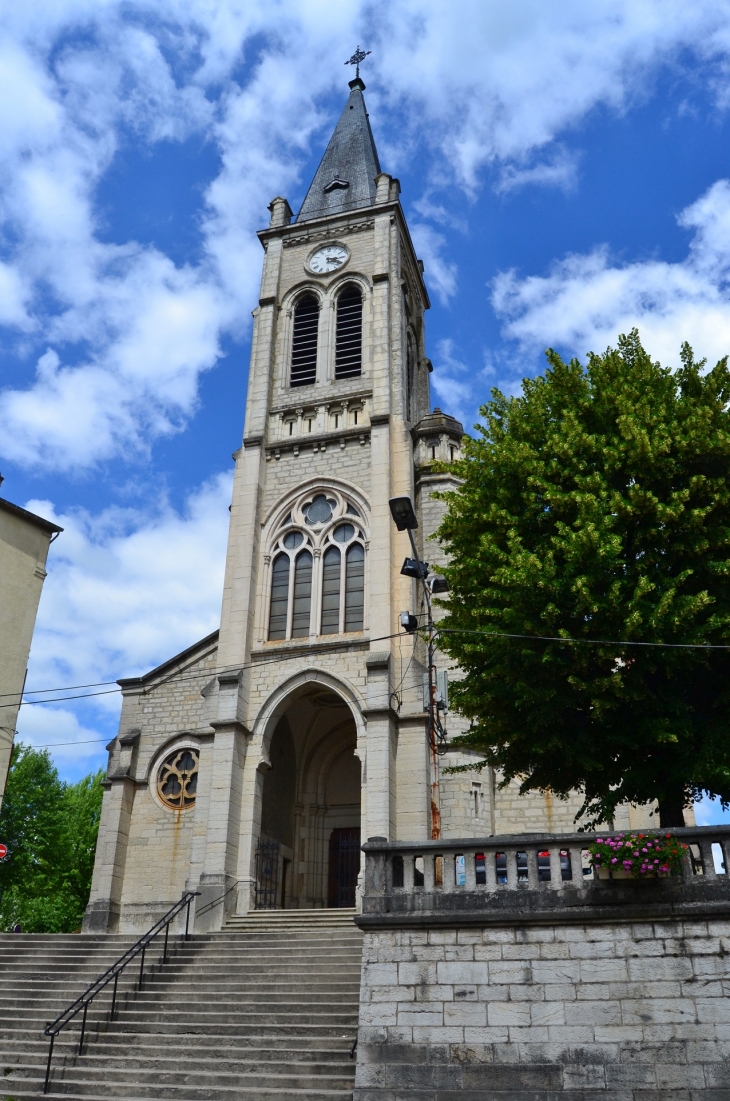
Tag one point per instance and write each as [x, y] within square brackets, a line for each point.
[358, 56]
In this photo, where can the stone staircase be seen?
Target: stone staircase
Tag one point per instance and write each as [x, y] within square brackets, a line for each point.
[266, 1010]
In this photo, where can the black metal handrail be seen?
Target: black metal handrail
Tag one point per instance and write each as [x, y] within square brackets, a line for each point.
[112, 973]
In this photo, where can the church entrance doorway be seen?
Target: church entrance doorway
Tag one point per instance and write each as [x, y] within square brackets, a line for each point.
[308, 853]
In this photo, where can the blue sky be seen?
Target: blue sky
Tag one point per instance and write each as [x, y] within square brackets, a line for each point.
[564, 171]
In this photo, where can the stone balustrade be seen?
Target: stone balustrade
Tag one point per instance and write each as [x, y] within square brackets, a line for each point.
[534, 873]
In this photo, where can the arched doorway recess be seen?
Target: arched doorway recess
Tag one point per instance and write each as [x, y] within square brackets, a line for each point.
[308, 855]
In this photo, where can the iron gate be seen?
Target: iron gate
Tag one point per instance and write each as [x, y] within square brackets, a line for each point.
[267, 875]
[344, 866]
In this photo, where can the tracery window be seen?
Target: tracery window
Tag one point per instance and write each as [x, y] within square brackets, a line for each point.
[348, 336]
[176, 782]
[318, 569]
[304, 341]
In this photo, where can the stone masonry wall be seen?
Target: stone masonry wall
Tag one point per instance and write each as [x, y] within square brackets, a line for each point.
[629, 1012]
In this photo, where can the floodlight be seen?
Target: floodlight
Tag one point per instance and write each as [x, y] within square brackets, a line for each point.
[410, 568]
[408, 622]
[438, 584]
[401, 509]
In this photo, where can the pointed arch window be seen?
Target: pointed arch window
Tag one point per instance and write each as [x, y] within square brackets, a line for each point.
[343, 583]
[348, 337]
[302, 612]
[354, 588]
[279, 597]
[318, 569]
[331, 567]
[304, 342]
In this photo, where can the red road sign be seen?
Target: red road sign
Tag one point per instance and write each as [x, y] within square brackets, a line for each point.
[3, 850]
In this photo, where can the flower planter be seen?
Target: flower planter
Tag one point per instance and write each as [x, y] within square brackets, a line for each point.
[621, 873]
[635, 856]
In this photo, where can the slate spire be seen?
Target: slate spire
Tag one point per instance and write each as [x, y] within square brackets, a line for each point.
[345, 179]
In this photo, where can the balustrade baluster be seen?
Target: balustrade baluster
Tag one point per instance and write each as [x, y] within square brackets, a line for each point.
[511, 855]
[556, 871]
[491, 869]
[725, 846]
[576, 867]
[428, 871]
[408, 871]
[470, 868]
[708, 860]
[533, 879]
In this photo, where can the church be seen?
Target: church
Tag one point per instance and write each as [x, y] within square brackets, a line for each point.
[251, 767]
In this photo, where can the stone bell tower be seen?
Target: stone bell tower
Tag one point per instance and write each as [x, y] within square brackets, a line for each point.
[251, 767]
[338, 379]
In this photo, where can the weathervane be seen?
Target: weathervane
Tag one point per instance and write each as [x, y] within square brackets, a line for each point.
[358, 56]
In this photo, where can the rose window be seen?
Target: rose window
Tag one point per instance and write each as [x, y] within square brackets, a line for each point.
[177, 778]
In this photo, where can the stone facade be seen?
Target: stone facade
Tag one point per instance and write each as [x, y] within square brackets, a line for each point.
[508, 968]
[345, 695]
[24, 542]
[620, 1009]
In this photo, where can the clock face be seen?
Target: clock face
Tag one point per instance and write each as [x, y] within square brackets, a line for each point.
[329, 258]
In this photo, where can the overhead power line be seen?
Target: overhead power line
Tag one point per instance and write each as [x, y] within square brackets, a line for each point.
[204, 675]
[276, 660]
[586, 641]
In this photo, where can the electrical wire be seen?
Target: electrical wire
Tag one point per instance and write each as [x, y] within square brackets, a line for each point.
[586, 641]
[168, 733]
[206, 674]
[272, 661]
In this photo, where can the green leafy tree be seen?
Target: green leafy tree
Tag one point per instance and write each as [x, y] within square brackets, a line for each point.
[595, 506]
[50, 829]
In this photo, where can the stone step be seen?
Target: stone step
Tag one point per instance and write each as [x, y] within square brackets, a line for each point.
[297, 1033]
[241, 943]
[205, 1055]
[31, 1090]
[189, 992]
[264, 1011]
[113, 1078]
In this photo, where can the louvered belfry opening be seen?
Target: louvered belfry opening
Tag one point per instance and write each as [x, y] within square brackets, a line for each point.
[348, 345]
[304, 342]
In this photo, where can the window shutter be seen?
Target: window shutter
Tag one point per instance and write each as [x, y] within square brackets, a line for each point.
[348, 344]
[304, 341]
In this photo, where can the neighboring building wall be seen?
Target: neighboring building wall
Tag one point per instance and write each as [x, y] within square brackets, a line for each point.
[620, 1009]
[24, 542]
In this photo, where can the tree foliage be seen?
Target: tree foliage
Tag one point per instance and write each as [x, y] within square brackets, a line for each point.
[50, 829]
[595, 506]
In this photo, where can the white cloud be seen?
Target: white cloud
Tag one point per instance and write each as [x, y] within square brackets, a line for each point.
[478, 83]
[440, 273]
[499, 81]
[560, 170]
[452, 381]
[124, 592]
[586, 300]
[710, 813]
[76, 749]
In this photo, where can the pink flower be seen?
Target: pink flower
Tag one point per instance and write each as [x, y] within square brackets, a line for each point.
[615, 860]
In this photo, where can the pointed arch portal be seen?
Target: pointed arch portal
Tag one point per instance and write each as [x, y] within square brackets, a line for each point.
[308, 855]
